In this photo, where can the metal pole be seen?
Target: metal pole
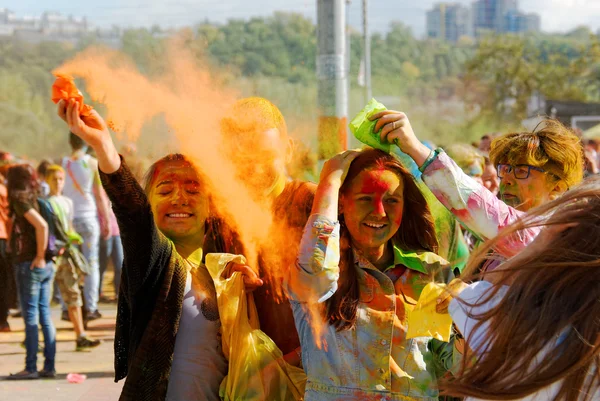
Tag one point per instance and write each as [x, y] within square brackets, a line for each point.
[348, 62]
[367, 55]
[332, 77]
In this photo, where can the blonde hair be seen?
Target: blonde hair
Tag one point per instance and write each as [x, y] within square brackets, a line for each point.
[53, 169]
[253, 115]
[553, 147]
[465, 156]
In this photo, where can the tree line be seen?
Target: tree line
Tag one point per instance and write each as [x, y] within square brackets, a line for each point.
[467, 87]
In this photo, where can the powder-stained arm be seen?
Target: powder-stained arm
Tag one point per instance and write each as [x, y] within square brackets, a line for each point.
[317, 269]
[314, 278]
[146, 251]
[474, 206]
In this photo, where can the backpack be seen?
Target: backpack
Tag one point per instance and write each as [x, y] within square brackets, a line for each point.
[57, 238]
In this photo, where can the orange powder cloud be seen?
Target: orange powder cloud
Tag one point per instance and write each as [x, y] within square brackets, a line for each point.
[192, 106]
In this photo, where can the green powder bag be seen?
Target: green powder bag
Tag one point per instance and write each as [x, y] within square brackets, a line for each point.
[363, 129]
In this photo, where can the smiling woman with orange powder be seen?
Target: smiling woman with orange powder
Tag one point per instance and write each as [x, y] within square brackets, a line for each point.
[167, 340]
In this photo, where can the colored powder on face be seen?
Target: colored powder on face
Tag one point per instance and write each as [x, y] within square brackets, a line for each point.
[376, 183]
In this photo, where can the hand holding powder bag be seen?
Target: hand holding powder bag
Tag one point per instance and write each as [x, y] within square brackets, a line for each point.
[64, 89]
[363, 129]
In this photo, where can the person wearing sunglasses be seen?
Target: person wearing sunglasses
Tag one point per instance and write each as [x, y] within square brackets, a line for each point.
[533, 167]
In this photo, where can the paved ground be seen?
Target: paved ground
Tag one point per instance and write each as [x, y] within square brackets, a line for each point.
[97, 364]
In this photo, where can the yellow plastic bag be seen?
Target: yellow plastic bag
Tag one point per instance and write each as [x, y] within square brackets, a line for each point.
[257, 370]
[424, 321]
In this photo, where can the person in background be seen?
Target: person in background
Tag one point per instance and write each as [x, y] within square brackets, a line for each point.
[67, 274]
[485, 143]
[83, 187]
[7, 278]
[468, 159]
[41, 173]
[490, 177]
[255, 132]
[532, 327]
[28, 244]
[111, 249]
[592, 157]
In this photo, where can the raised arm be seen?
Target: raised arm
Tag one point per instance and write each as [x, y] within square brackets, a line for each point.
[317, 269]
[146, 250]
[472, 204]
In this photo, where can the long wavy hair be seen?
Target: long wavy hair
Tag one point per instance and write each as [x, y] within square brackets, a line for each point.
[416, 233]
[546, 328]
[22, 184]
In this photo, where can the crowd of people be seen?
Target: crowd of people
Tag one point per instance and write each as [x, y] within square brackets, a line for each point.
[342, 268]
[58, 235]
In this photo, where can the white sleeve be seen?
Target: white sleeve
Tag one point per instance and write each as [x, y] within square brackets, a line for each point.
[460, 312]
[69, 211]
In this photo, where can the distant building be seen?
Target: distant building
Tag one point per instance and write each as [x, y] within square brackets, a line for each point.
[55, 23]
[449, 22]
[583, 116]
[52, 26]
[502, 16]
[518, 22]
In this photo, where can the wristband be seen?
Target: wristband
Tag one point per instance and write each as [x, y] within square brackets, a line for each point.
[432, 156]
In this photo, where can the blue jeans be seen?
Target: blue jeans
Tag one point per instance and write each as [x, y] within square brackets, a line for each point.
[111, 249]
[89, 229]
[35, 291]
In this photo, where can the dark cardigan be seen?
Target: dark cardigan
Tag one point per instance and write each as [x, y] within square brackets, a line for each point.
[150, 295]
[153, 283]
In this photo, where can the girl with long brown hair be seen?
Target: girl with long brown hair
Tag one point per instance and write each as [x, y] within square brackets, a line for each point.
[533, 328]
[32, 261]
[367, 251]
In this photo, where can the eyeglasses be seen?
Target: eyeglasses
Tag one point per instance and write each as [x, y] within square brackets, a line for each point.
[520, 171]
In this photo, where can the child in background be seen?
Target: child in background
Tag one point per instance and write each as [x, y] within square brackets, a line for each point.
[67, 275]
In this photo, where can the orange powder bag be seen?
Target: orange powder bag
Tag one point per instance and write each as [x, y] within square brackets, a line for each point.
[64, 88]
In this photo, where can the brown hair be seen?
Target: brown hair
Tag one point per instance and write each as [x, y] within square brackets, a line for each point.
[552, 301]
[553, 147]
[22, 184]
[416, 233]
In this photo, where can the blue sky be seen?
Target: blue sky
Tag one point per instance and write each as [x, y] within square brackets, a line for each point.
[557, 15]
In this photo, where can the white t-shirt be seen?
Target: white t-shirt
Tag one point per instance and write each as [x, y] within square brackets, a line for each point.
[79, 185]
[199, 365]
[474, 294]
